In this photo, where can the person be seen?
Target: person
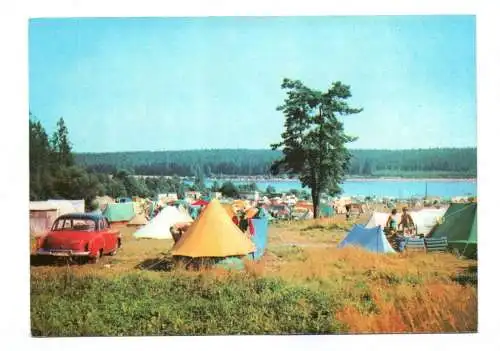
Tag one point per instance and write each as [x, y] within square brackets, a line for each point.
[243, 223]
[391, 230]
[348, 211]
[392, 221]
[406, 220]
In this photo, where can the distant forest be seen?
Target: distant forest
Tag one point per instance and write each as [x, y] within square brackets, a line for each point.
[439, 162]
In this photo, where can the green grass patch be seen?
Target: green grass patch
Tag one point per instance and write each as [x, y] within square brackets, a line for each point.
[134, 305]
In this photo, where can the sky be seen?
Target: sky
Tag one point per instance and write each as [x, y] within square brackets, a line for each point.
[214, 82]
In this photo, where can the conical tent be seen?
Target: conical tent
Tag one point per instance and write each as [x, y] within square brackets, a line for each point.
[371, 239]
[229, 209]
[213, 235]
[159, 227]
[138, 220]
[459, 226]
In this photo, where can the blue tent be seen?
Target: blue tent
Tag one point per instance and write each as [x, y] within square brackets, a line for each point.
[371, 239]
[260, 237]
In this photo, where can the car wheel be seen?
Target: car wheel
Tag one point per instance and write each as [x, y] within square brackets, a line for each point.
[115, 249]
[95, 259]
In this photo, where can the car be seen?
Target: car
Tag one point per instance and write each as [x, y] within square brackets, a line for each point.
[80, 235]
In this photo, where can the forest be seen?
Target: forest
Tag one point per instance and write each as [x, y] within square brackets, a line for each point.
[438, 162]
[57, 172]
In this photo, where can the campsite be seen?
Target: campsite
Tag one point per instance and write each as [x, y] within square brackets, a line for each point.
[252, 176]
[308, 279]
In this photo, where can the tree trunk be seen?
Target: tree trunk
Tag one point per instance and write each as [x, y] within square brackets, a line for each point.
[315, 198]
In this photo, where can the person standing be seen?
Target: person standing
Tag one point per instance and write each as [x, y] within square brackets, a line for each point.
[348, 211]
[406, 221]
[392, 221]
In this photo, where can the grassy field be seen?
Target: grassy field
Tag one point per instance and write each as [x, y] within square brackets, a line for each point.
[303, 285]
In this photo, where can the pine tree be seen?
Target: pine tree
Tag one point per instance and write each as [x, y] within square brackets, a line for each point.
[313, 142]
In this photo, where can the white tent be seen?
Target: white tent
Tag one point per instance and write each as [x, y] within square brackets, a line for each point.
[380, 219]
[427, 218]
[424, 219]
[62, 206]
[159, 226]
[371, 239]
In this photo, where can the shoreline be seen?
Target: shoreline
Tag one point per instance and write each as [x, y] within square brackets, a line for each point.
[356, 179]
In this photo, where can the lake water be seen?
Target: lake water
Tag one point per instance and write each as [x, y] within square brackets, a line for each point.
[401, 188]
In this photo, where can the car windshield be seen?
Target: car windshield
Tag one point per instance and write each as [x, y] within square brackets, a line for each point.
[74, 224]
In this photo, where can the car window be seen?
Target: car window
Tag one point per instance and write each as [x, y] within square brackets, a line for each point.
[76, 224]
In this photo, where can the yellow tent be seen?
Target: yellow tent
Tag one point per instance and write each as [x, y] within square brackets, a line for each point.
[138, 220]
[229, 209]
[213, 235]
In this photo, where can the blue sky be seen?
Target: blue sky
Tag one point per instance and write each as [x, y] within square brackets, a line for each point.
[192, 83]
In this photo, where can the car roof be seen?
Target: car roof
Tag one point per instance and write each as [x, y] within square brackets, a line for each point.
[91, 216]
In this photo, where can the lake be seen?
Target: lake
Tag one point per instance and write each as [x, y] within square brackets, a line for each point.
[400, 188]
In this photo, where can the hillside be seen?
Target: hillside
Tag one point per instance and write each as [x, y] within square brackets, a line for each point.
[446, 162]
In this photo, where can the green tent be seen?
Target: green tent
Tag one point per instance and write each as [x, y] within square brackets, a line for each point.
[325, 210]
[459, 226]
[122, 212]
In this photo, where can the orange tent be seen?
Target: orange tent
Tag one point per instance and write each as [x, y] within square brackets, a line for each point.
[239, 204]
[251, 212]
[213, 235]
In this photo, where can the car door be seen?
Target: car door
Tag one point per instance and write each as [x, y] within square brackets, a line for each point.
[105, 235]
[109, 234]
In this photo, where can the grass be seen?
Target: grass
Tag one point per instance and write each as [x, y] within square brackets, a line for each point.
[181, 305]
[303, 285]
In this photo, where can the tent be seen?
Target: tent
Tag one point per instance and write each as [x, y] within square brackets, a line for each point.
[44, 213]
[213, 234]
[159, 227]
[259, 237]
[103, 201]
[119, 212]
[123, 200]
[41, 218]
[371, 239]
[199, 203]
[62, 206]
[325, 210]
[138, 220]
[251, 212]
[459, 226]
[229, 209]
[424, 219]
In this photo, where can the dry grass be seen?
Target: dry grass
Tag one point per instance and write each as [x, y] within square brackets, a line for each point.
[372, 293]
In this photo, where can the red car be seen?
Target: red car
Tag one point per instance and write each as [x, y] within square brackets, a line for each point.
[80, 235]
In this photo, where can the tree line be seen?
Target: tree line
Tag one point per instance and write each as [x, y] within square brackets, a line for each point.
[56, 174]
[442, 162]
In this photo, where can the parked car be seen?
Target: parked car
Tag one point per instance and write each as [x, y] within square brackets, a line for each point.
[80, 235]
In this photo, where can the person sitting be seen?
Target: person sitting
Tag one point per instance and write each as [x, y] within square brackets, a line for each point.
[406, 222]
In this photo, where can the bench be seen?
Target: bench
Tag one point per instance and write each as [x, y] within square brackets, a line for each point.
[436, 244]
[415, 244]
